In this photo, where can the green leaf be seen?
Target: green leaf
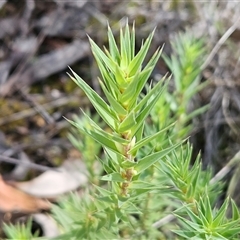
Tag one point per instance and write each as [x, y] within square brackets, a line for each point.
[127, 40]
[99, 54]
[122, 215]
[148, 161]
[192, 91]
[108, 199]
[148, 139]
[107, 168]
[113, 177]
[120, 78]
[235, 211]
[149, 106]
[106, 113]
[173, 64]
[113, 102]
[136, 85]
[133, 42]
[191, 225]
[130, 208]
[139, 132]
[185, 234]
[124, 60]
[114, 137]
[208, 211]
[127, 123]
[197, 112]
[115, 157]
[102, 191]
[218, 219]
[128, 94]
[136, 193]
[201, 213]
[132, 93]
[193, 216]
[113, 46]
[136, 63]
[225, 229]
[196, 178]
[159, 87]
[128, 164]
[109, 79]
[145, 185]
[106, 234]
[97, 135]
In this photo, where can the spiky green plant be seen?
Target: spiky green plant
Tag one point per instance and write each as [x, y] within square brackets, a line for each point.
[185, 65]
[137, 183]
[20, 231]
[123, 79]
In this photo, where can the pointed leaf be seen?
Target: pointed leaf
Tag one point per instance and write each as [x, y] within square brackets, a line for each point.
[133, 42]
[127, 39]
[99, 54]
[103, 109]
[208, 212]
[235, 211]
[145, 112]
[115, 157]
[174, 66]
[136, 85]
[127, 123]
[108, 79]
[102, 139]
[107, 168]
[139, 132]
[115, 105]
[148, 139]
[193, 216]
[128, 164]
[101, 131]
[102, 191]
[221, 214]
[113, 46]
[148, 161]
[136, 63]
[159, 87]
[113, 177]
[120, 78]
[197, 112]
[144, 185]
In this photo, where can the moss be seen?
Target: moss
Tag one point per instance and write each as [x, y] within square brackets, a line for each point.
[8, 108]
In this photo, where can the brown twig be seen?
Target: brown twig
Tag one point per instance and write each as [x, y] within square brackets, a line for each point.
[45, 115]
[30, 165]
[220, 42]
[30, 112]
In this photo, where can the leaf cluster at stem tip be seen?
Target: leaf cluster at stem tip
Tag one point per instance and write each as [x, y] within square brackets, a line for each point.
[124, 108]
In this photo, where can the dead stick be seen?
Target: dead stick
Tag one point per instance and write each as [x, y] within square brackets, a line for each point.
[30, 165]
